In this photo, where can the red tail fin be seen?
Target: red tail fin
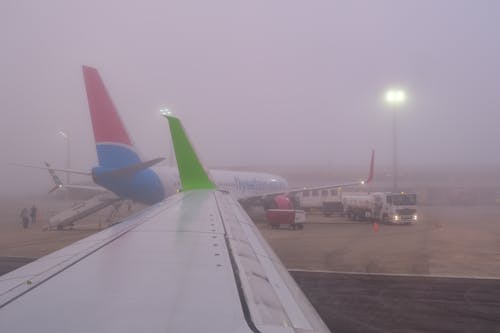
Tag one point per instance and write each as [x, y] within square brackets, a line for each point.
[113, 145]
[106, 122]
[372, 164]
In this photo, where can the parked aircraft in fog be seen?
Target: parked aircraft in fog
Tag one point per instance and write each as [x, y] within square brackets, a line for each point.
[193, 262]
[121, 170]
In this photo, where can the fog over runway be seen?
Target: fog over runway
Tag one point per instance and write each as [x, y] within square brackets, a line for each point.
[291, 87]
[256, 84]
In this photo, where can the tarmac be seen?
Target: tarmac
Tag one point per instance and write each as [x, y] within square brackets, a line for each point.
[367, 303]
[438, 275]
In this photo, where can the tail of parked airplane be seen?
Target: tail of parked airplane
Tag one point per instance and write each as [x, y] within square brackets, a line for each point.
[57, 181]
[372, 165]
[120, 169]
[113, 144]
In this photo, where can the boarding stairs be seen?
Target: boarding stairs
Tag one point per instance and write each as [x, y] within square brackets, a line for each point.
[81, 210]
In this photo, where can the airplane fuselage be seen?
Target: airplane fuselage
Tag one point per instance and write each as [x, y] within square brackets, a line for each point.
[154, 184]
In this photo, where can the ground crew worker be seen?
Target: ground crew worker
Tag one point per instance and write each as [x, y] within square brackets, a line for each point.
[25, 218]
[33, 214]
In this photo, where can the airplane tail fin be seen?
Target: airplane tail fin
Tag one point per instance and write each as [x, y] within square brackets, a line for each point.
[191, 172]
[113, 145]
[372, 166]
[57, 181]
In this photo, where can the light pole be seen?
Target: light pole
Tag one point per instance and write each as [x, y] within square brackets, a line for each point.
[68, 155]
[395, 98]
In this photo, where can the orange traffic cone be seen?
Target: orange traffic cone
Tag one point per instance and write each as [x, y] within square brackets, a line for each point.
[375, 226]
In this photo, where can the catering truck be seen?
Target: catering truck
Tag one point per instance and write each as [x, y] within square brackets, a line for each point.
[386, 207]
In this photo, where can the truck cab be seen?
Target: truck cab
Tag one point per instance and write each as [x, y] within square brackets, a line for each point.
[397, 208]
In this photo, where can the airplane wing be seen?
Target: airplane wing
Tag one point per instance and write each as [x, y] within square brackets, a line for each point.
[192, 263]
[322, 187]
[325, 187]
[77, 172]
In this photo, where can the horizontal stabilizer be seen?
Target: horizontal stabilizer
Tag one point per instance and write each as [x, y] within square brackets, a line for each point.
[130, 170]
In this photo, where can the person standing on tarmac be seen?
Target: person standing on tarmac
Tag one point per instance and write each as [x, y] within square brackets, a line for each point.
[33, 214]
[25, 219]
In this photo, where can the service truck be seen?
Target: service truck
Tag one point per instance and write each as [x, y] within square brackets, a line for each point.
[326, 200]
[295, 218]
[386, 207]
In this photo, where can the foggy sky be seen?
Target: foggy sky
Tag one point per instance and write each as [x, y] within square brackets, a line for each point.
[255, 82]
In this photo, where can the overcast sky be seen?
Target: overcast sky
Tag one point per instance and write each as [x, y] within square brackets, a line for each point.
[255, 82]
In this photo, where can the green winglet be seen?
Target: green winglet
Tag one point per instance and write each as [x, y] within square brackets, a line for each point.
[191, 172]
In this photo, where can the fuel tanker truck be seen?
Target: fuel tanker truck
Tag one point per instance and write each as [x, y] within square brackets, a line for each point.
[386, 207]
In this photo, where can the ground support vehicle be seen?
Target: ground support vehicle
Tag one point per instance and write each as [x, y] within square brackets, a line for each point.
[315, 199]
[295, 219]
[386, 207]
[331, 207]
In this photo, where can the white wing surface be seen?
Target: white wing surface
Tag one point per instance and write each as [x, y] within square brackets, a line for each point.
[193, 263]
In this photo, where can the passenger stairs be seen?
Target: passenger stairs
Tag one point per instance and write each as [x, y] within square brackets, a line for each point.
[81, 210]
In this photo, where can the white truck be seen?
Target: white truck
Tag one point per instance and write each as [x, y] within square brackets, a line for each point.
[326, 200]
[386, 207]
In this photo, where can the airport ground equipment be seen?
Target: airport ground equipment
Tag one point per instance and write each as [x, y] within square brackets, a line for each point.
[386, 207]
[81, 210]
[329, 208]
[319, 198]
[280, 209]
[295, 219]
